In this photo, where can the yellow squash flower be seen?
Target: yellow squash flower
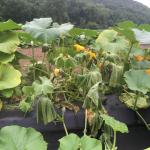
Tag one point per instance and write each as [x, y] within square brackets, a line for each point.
[147, 71]
[79, 48]
[139, 58]
[56, 72]
[91, 54]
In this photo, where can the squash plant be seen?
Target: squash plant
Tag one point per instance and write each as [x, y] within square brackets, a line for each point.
[78, 71]
[71, 73]
[9, 41]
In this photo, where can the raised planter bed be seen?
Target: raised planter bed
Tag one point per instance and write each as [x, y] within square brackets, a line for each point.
[137, 138]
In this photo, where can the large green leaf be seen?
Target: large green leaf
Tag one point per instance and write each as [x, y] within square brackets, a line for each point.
[128, 33]
[9, 77]
[125, 28]
[45, 30]
[20, 138]
[6, 58]
[44, 86]
[73, 142]
[88, 143]
[138, 80]
[132, 101]
[8, 42]
[109, 40]
[140, 65]
[115, 124]
[70, 142]
[9, 25]
[147, 149]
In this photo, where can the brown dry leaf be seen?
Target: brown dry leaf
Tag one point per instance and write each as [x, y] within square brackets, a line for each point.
[70, 106]
[90, 116]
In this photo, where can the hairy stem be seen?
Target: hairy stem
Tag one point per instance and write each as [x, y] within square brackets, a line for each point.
[33, 62]
[65, 128]
[85, 126]
[147, 126]
[114, 141]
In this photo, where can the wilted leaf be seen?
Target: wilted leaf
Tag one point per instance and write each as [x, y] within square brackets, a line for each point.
[129, 99]
[116, 75]
[93, 94]
[45, 110]
[89, 79]
[115, 124]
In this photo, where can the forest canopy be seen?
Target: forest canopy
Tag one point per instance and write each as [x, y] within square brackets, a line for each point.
[82, 13]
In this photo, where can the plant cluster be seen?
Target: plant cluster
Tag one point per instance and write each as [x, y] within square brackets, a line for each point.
[76, 70]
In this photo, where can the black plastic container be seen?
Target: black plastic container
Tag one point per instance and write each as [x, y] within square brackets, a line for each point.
[138, 137]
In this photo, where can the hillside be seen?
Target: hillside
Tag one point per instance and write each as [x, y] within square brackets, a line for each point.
[94, 14]
[124, 9]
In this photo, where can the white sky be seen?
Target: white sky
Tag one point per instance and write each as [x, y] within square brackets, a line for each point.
[145, 2]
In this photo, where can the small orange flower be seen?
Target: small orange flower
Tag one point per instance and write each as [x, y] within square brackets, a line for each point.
[91, 55]
[79, 48]
[147, 71]
[56, 72]
[139, 58]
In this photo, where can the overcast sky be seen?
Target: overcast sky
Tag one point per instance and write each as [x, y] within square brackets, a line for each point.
[145, 2]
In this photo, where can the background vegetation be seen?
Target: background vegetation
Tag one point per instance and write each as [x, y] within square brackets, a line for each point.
[83, 13]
